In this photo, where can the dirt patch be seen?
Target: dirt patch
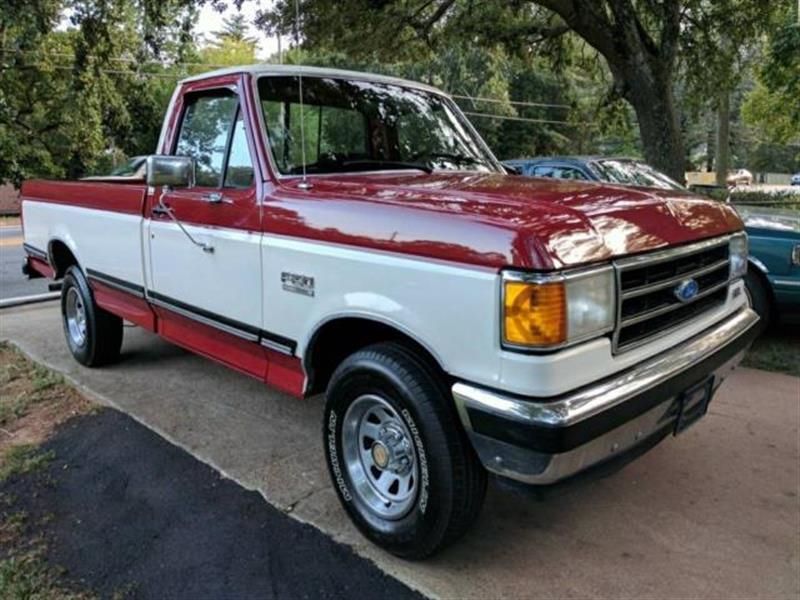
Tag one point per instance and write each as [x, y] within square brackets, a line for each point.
[33, 402]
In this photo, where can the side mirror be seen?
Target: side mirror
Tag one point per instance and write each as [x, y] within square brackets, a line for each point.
[174, 171]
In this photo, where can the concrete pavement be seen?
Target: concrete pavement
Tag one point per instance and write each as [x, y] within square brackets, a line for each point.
[714, 513]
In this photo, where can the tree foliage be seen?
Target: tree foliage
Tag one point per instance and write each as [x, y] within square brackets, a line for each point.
[643, 43]
[774, 104]
[84, 83]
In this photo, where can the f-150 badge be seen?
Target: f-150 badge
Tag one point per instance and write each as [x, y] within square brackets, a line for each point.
[299, 284]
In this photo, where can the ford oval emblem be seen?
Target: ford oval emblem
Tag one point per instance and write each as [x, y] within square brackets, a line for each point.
[686, 290]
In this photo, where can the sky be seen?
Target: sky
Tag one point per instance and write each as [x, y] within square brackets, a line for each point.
[210, 21]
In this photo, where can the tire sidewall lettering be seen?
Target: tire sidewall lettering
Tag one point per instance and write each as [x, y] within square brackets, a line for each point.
[333, 457]
[422, 459]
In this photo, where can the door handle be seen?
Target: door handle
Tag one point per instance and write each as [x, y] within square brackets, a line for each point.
[214, 198]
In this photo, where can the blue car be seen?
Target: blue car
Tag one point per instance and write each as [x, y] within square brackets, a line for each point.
[773, 275]
[622, 171]
[773, 278]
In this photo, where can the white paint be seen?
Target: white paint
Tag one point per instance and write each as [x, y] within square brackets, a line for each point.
[449, 309]
[226, 282]
[106, 241]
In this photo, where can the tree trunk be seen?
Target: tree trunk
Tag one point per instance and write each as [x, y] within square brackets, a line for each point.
[711, 133]
[723, 138]
[659, 127]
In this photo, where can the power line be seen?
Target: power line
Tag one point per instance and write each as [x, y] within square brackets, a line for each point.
[128, 60]
[175, 77]
[524, 119]
[515, 102]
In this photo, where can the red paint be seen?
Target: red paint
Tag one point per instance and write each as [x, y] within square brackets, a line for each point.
[492, 220]
[41, 267]
[116, 197]
[129, 307]
[246, 357]
[250, 358]
[285, 373]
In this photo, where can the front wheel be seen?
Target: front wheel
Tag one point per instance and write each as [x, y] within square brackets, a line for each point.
[94, 336]
[401, 466]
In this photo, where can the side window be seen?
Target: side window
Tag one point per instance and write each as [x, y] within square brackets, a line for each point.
[544, 171]
[204, 134]
[239, 171]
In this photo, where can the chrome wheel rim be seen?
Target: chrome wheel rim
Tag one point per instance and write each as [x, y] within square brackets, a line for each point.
[75, 312]
[380, 457]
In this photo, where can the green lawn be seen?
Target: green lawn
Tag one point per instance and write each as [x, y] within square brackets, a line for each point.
[778, 349]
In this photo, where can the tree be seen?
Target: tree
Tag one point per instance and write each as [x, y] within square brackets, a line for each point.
[642, 42]
[71, 100]
[773, 104]
[235, 28]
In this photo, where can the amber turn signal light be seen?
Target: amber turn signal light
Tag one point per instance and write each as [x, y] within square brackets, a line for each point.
[534, 314]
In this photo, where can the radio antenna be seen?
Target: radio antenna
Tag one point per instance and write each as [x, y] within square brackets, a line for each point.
[304, 185]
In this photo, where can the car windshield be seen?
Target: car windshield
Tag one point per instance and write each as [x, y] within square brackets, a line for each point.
[355, 125]
[630, 172]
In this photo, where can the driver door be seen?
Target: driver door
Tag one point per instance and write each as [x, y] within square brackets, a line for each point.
[205, 262]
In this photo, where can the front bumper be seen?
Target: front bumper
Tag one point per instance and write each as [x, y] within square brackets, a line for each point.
[541, 441]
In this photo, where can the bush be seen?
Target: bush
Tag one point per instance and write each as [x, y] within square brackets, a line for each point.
[754, 197]
[778, 199]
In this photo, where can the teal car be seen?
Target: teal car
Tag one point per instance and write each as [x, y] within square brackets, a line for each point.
[773, 274]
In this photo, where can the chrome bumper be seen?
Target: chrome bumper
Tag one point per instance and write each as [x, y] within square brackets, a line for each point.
[543, 441]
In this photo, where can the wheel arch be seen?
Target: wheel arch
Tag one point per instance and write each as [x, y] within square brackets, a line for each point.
[337, 337]
[759, 269]
[61, 257]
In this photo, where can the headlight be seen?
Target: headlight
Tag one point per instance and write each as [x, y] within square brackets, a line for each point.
[543, 311]
[796, 254]
[738, 255]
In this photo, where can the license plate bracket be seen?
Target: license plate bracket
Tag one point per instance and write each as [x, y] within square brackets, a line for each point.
[693, 404]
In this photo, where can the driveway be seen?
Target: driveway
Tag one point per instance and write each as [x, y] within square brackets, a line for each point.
[12, 282]
[712, 513]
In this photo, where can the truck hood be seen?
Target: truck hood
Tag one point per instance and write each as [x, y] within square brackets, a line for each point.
[504, 220]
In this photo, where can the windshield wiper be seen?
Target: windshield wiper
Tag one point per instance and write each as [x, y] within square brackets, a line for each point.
[389, 164]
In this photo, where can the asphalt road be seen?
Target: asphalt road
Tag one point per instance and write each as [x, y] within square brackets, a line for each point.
[712, 513]
[126, 514]
[12, 282]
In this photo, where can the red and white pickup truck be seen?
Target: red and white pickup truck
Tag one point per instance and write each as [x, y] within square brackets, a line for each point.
[347, 233]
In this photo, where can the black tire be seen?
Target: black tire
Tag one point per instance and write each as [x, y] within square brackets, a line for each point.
[452, 483]
[759, 297]
[102, 339]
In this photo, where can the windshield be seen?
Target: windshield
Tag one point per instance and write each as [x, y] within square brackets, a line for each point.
[629, 172]
[353, 125]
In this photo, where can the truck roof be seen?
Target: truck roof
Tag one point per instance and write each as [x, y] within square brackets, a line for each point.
[272, 69]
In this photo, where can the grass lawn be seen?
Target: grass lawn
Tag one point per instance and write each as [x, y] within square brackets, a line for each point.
[778, 349]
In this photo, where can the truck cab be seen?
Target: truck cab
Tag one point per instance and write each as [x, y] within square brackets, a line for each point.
[351, 234]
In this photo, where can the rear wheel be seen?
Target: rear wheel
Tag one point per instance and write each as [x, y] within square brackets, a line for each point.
[94, 335]
[401, 466]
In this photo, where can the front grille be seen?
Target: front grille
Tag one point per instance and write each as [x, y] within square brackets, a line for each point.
[648, 304]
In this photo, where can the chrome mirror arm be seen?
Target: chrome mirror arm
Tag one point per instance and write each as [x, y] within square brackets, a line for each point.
[164, 209]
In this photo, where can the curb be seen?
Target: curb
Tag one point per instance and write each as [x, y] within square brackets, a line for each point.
[22, 300]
